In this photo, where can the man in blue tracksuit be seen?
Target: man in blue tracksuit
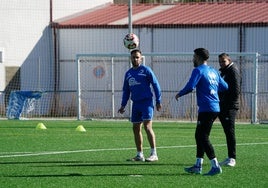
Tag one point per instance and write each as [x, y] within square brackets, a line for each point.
[137, 86]
[207, 83]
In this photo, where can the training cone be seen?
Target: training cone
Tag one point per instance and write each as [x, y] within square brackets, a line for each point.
[80, 128]
[40, 126]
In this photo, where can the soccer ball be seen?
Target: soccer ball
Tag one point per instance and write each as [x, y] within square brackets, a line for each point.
[131, 41]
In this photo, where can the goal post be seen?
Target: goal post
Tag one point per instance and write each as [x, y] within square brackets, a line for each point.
[99, 64]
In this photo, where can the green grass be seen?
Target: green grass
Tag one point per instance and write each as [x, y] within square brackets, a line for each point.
[61, 157]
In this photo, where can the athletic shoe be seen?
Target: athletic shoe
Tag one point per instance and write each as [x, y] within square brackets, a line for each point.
[213, 171]
[228, 162]
[193, 170]
[152, 158]
[137, 158]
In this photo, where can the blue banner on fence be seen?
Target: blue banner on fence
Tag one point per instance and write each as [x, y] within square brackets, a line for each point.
[20, 101]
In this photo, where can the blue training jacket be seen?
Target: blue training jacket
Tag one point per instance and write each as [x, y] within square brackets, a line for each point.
[137, 82]
[208, 83]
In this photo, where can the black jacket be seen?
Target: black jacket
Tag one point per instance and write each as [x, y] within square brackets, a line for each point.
[230, 99]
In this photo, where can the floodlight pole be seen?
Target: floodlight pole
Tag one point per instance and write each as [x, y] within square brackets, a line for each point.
[130, 16]
[130, 31]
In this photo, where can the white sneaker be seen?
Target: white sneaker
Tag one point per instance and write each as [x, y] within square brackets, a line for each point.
[152, 158]
[137, 158]
[228, 162]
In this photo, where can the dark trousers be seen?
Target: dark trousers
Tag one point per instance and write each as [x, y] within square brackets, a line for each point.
[227, 118]
[204, 124]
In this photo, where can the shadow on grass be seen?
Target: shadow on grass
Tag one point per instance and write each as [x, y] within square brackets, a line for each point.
[59, 164]
[86, 164]
[93, 175]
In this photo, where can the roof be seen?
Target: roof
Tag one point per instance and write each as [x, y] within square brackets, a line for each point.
[166, 15]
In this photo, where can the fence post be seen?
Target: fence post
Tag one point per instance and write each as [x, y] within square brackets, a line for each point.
[254, 118]
[78, 89]
[112, 77]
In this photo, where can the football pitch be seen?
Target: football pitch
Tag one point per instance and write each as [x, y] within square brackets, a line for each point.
[62, 157]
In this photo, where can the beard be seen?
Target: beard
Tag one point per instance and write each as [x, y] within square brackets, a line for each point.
[195, 63]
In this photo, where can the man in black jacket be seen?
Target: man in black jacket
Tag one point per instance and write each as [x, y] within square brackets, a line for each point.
[229, 105]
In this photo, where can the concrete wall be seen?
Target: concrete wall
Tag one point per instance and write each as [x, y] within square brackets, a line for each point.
[25, 38]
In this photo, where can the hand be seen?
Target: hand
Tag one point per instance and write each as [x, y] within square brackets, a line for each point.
[121, 110]
[177, 97]
[158, 106]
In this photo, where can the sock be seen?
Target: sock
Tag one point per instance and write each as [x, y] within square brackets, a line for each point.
[153, 151]
[214, 163]
[199, 162]
[140, 153]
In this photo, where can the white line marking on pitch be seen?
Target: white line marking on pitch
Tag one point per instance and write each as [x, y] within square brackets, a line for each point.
[25, 154]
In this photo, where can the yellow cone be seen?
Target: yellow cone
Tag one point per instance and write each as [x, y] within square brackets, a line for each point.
[40, 126]
[80, 128]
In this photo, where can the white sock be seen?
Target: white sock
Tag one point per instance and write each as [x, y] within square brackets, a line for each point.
[214, 163]
[199, 162]
[153, 151]
[140, 153]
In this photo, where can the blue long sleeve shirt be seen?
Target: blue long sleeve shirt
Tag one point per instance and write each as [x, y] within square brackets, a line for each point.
[137, 85]
[208, 83]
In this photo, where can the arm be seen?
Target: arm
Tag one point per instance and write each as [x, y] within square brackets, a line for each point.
[223, 86]
[234, 86]
[231, 96]
[157, 90]
[125, 96]
[156, 86]
[190, 86]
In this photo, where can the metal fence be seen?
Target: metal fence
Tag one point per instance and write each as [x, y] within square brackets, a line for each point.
[100, 81]
[101, 98]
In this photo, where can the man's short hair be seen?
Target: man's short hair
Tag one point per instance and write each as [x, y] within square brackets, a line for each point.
[225, 55]
[202, 52]
[134, 51]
